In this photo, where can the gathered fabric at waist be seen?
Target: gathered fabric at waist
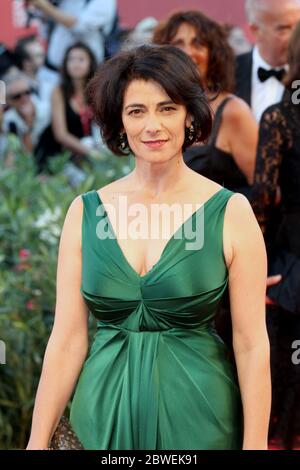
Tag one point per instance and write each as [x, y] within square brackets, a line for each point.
[205, 327]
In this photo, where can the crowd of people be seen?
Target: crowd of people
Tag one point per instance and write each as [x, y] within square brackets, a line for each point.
[253, 148]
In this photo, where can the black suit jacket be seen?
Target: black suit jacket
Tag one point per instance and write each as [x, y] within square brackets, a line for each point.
[243, 76]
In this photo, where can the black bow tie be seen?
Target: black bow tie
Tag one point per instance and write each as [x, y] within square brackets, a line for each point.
[264, 74]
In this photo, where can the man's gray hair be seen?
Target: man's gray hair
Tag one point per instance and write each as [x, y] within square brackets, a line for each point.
[251, 7]
[14, 76]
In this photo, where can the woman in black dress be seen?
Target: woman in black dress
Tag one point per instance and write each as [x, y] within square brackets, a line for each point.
[72, 118]
[276, 203]
[229, 155]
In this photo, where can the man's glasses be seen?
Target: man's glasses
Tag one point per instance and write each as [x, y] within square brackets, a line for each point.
[20, 95]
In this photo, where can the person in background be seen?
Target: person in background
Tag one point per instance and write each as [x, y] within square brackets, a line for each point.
[31, 55]
[26, 116]
[8, 62]
[229, 155]
[278, 165]
[259, 73]
[141, 34]
[77, 20]
[72, 118]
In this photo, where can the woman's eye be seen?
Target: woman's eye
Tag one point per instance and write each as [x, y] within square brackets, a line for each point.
[135, 112]
[168, 108]
[199, 43]
[178, 43]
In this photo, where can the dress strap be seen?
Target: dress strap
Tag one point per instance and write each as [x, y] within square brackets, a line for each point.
[218, 119]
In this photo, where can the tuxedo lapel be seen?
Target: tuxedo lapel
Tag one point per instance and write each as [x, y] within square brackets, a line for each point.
[243, 78]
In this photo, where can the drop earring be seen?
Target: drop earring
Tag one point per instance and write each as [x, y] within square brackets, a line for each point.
[123, 141]
[191, 132]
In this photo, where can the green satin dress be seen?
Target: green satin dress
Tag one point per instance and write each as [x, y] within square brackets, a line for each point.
[157, 376]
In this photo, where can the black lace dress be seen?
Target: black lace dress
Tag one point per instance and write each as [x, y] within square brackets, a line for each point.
[278, 168]
[214, 163]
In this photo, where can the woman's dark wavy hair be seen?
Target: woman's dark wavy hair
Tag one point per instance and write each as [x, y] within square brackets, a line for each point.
[67, 84]
[221, 62]
[168, 66]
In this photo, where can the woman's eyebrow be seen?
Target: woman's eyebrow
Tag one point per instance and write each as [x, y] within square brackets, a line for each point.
[164, 103]
[139, 105]
[135, 105]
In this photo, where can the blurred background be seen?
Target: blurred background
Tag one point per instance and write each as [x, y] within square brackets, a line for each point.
[13, 17]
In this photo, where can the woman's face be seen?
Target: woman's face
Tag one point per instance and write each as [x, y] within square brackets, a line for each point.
[154, 124]
[187, 39]
[78, 64]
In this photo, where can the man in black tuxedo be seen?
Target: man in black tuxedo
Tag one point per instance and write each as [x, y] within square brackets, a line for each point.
[258, 77]
[260, 71]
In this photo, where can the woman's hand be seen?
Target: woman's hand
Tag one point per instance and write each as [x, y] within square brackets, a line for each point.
[271, 281]
[37, 446]
[256, 447]
[278, 196]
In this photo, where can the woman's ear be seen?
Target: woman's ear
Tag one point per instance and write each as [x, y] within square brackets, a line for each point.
[189, 119]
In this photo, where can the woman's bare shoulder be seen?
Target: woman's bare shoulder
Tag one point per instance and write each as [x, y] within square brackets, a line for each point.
[76, 205]
[240, 219]
[239, 209]
[73, 221]
[57, 92]
[236, 108]
[241, 228]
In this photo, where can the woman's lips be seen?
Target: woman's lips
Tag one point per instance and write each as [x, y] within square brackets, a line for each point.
[155, 144]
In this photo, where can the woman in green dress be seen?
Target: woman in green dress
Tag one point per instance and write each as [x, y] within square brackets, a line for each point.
[157, 375]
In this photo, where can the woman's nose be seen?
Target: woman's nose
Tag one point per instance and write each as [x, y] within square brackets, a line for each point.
[188, 49]
[153, 123]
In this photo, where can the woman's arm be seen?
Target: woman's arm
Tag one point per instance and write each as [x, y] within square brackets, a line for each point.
[95, 14]
[247, 290]
[240, 130]
[59, 126]
[68, 344]
[59, 16]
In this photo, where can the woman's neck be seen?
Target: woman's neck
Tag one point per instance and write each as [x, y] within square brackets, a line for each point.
[155, 179]
[78, 86]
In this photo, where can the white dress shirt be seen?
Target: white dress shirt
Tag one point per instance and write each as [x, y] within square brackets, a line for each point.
[47, 80]
[44, 84]
[92, 16]
[263, 94]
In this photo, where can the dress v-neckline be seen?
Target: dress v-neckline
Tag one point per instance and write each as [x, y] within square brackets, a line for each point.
[173, 237]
